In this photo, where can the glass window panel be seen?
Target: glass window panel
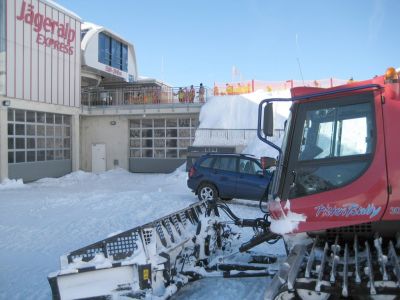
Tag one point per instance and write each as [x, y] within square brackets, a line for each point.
[171, 153]
[195, 122]
[147, 143]
[49, 130]
[19, 129]
[124, 58]
[160, 143]
[184, 132]
[30, 156]
[10, 115]
[159, 153]
[183, 143]
[58, 119]
[59, 154]
[31, 116]
[10, 129]
[20, 143]
[19, 115]
[30, 143]
[58, 131]
[135, 143]
[171, 123]
[41, 155]
[225, 164]
[159, 132]
[30, 129]
[172, 133]
[40, 117]
[41, 143]
[135, 153]
[10, 143]
[134, 123]
[50, 155]
[10, 157]
[171, 143]
[20, 156]
[67, 120]
[67, 154]
[67, 131]
[40, 130]
[135, 133]
[147, 123]
[147, 132]
[183, 153]
[58, 143]
[49, 118]
[159, 123]
[193, 132]
[184, 122]
[49, 143]
[147, 153]
[67, 143]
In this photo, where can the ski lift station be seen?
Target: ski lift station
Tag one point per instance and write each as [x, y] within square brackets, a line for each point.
[71, 98]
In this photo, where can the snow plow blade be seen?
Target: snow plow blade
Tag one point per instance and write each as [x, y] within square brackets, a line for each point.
[155, 259]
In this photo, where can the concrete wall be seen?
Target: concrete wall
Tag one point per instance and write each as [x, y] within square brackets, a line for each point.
[98, 130]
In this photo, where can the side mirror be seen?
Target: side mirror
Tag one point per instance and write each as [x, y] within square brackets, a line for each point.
[267, 162]
[268, 125]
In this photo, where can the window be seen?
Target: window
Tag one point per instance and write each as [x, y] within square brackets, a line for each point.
[248, 166]
[37, 136]
[161, 138]
[207, 162]
[225, 164]
[112, 52]
[335, 145]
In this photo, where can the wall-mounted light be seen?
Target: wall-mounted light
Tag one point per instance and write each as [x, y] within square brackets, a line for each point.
[113, 123]
[6, 102]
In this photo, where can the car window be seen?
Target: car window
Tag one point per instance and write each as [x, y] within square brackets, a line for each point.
[248, 166]
[225, 164]
[207, 162]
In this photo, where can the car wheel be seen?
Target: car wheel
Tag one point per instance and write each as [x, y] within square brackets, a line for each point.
[207, 191]
[226, 199]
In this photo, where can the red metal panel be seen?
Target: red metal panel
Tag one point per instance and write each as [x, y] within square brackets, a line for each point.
[368, 192]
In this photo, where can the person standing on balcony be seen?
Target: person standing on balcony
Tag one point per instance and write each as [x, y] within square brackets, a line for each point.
[181, 95]
[192, 94]
[186, 95]
[201, 93]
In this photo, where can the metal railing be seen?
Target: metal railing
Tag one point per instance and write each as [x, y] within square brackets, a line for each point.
[216, 137]
[143, 96]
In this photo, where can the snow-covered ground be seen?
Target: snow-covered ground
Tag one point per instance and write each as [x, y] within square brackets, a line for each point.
[42, 220]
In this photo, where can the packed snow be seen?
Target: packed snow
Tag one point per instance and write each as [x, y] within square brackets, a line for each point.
[42, 220]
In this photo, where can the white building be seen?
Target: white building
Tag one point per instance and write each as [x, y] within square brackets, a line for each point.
[71, 98]
[39, 89]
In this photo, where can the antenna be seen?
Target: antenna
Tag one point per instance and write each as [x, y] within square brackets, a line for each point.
[298, 58]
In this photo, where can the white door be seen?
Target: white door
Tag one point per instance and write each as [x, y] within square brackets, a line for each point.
[98, 158]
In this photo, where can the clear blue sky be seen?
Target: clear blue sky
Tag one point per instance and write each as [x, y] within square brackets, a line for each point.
[188, 42]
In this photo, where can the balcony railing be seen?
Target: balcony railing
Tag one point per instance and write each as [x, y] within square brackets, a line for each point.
[224, 137]
[144, 96]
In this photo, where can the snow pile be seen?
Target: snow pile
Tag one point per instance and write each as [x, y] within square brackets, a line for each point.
[12, 184]
[241, 112]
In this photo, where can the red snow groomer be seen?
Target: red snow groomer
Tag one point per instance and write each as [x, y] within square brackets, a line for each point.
[337, 178]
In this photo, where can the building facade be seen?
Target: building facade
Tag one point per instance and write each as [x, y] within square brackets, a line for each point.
[40, 89]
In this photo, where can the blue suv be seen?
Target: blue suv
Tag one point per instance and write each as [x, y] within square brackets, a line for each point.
[228, 176]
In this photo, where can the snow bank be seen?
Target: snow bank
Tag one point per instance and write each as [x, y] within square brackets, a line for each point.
[241, 112]
[7, 184]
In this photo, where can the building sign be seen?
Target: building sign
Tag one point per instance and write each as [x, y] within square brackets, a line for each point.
[42, 24]
[113, 71]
